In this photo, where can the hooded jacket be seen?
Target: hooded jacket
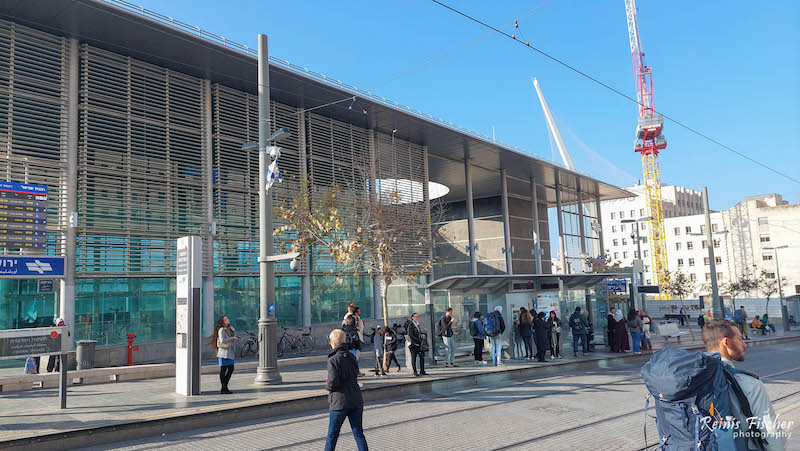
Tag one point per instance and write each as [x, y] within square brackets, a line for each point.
[342, 385]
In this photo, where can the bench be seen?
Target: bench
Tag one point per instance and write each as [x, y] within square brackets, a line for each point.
[670, 330]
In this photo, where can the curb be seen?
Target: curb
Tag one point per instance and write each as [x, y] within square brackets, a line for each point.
[259, 409]
[126, 373]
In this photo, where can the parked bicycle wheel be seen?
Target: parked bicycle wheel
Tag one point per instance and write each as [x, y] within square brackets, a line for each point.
[282, 345]
[305, 344]
[245, 349]
[253, 347]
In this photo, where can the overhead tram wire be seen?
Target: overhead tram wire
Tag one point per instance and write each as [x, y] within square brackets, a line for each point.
[610, 88]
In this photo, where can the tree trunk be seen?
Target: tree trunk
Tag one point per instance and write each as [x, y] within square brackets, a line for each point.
[688, 324]
[385, 304]
[385, 301]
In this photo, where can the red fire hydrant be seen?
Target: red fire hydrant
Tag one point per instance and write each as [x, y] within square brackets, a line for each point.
[131, 348]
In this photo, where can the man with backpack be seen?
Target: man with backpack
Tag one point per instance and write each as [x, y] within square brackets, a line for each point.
[444, 329]
[478, 334]
[495, 327]
[578, 324]
[740, 318]
[703, 402]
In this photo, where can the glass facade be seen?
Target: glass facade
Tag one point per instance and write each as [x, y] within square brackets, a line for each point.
[238, 299]
[329, 298]
[22, 306]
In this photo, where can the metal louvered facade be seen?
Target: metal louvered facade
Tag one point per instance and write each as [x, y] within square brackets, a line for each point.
[33, 116]
[142, 164]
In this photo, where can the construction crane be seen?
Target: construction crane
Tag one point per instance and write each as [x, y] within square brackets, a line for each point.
[649, 141]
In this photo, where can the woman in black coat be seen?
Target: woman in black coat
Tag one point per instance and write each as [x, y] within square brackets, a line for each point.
[610, 326]
[542, 335]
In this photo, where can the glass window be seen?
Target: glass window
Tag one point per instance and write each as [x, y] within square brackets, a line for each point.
[642, 225]
[635, 254]
[691, 262]
[622, 215]
[716, 244]
[719, 276]
[693, 277]
[680, 262]
[624, 241]
[763, 221]
[329, 299]
[22, 306]
[614, 229]
[645, 253]
[622, 228]
[708, 276]
[689, 245]
[717, 260]
[764, 238]
[616, 255]
[703, 230]
[766, 257]
[677, 246]
[109, 308]
[770, 275]
[688, 229]
[705, 244]
[706, 261]
[649, 282]
[646, 268]
[616, 242]
[644, 239]
[633, 213]
[625, 254]
[613, 215]
[677, 230]
[641, 212]
[714, 227]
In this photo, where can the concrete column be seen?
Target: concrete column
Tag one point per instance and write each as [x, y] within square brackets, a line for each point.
[561, 247]
[207, 308]
[537, 245]
[473, 251]
[581, 226]
[69, 192]
[306, 277]
[600, 226]
[427, 198]
[506, 222]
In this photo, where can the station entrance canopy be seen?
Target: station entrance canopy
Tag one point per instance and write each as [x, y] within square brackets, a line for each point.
[493, 283]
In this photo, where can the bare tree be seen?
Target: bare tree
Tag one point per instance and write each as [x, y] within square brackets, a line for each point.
[767, 284]
[680, 285]
[600, 265]
[744, 284]
[386, 233]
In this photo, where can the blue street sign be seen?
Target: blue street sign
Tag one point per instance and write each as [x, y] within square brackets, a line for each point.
[46, 285]
[271, 309]
[12, 266]
[616, 286]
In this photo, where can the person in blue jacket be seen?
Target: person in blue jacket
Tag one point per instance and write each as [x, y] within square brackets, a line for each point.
[478, 334]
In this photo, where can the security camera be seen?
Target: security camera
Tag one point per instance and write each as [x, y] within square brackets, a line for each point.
[294, 265]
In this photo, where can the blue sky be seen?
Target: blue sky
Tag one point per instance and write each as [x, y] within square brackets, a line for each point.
[728, 69]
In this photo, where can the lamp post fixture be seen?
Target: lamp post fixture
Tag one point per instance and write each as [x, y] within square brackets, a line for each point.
[636, 237]
[784, 309]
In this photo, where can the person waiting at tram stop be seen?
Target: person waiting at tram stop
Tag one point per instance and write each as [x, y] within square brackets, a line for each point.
[578, 324]
[525, 328]
[554, 328]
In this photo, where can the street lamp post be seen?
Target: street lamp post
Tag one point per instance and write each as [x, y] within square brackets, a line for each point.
[267, 371]
[635, 236]
[784, 309]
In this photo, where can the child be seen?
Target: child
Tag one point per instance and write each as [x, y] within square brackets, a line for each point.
[390, 345]
[378, 344]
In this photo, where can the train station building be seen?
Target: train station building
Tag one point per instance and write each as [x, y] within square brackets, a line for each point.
[135, 123]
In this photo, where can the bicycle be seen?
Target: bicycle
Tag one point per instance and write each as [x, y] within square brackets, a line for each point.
[303, 343]
[249, 345]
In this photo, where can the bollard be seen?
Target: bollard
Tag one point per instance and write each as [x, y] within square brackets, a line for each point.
[131, 348]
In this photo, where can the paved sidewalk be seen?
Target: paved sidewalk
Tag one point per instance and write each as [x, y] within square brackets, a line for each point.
[29, 414]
